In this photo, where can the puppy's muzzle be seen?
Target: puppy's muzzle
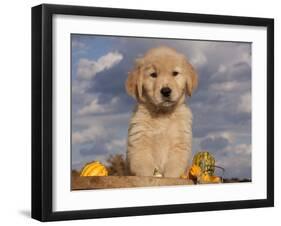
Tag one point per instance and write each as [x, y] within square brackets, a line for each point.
[166, 91]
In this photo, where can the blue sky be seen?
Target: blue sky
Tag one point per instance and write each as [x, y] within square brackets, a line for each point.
[221, 105]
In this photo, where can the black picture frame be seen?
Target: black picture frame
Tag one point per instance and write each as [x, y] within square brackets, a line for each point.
[42, 107]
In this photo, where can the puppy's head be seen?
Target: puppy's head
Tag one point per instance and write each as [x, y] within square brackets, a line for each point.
[162, 77]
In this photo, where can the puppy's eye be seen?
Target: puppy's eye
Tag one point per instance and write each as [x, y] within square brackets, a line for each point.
[153, 74]
[175, 73]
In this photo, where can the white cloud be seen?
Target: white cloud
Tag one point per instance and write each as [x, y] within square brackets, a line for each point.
[245, 104]
[236, 161]
[198, 59]
[116, 145]
[222, 68]
[78, 44]
[245, 149]
[225, 86]
[110, 120]
[224, 134]
[95, 107]
[87, 69]
[224, 63]
[239, 149]
[87, 135]
[246, 57]
[78, 47]
[80, 87]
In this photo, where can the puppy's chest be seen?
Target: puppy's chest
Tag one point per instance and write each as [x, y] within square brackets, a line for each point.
[166, 134]
[160, 132]
[163, 130]
[166, 128]
[160, 136]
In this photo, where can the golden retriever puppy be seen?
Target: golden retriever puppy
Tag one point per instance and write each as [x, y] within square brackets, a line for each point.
[160, 130]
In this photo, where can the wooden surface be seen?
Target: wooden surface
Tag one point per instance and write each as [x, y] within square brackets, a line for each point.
[82, 183]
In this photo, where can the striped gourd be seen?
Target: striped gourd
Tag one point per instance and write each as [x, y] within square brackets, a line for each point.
[94, 168]
[205, 161]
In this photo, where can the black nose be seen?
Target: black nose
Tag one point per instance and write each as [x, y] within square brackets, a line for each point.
[166, 91]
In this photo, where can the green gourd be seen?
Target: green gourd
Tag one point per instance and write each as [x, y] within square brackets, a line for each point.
[206, 161]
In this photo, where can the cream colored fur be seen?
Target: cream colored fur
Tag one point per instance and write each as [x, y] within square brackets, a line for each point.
[160, 130]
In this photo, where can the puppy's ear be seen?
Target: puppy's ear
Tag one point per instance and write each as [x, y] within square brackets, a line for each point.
[191, 78]
[135, 80]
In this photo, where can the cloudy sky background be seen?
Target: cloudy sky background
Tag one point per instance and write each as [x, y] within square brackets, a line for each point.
[221, 105]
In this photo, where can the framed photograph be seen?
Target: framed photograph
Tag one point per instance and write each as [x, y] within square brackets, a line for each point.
[145, 112]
